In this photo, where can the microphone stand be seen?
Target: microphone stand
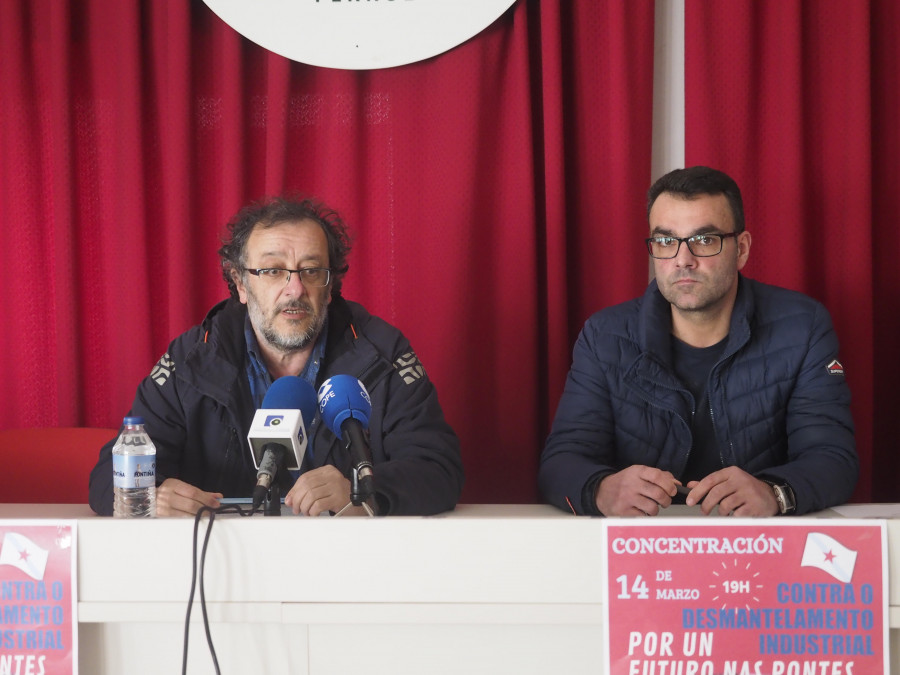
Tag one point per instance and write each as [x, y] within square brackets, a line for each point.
[272, 503]
[361, 476]
[358, 495]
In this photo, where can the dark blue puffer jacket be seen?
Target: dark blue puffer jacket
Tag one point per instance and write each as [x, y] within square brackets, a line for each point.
[778, 399]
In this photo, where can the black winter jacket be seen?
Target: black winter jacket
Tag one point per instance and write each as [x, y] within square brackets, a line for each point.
[778, 399]
[197, 408]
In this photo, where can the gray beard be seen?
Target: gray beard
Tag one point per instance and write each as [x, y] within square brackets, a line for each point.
[286, 343]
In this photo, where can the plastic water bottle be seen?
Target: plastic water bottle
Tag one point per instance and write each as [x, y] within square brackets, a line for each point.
[134, 472]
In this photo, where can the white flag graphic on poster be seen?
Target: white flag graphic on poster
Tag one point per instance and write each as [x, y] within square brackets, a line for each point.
[19, 551]
[829, 555]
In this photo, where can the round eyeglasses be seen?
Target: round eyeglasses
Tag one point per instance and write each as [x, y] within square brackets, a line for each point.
[311, 277]
[700, 245]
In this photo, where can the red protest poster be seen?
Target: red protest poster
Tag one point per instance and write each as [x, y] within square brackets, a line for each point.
[756, 597]
[38, 623]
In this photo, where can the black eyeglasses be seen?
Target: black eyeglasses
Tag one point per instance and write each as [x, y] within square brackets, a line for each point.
[700, 245]
[311, 277]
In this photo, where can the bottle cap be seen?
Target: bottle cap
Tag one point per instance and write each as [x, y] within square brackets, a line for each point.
[132, 421]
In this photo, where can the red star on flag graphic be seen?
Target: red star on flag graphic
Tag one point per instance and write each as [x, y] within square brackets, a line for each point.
[829, 555]
[20, 552]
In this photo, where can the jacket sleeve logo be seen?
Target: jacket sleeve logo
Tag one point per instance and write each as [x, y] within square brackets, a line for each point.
[835, 368]
[409, 367]
[162, 370]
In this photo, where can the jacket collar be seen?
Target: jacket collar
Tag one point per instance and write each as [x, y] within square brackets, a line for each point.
[342, 333]
[656, 321]
[218, 356]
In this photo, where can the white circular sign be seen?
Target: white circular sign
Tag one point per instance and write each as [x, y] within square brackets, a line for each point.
[358, 34]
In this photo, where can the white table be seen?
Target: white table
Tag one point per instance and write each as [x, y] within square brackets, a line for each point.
[490, 589]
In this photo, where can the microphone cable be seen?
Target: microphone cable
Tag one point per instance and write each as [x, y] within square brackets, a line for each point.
[228, 508]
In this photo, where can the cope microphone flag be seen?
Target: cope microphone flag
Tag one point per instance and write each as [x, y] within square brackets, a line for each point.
[343, 397]
[287, 409]
[345, 407]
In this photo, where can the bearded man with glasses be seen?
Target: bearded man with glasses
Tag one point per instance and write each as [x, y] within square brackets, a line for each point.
[710, 389]
[284, 262]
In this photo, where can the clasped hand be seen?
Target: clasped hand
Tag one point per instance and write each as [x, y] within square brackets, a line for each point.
[643, 490]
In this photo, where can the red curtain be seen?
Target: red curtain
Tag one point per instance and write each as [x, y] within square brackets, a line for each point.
[798, 101]
[495, 193]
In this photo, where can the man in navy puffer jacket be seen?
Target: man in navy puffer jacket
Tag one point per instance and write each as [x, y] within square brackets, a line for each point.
[710, 381]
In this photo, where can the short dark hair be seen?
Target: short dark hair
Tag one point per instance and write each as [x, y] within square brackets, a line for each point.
[274, 211]
[700, 180]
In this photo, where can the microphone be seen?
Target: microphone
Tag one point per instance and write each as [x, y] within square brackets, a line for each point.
[277, 434]
[272, 461]
[345, 406]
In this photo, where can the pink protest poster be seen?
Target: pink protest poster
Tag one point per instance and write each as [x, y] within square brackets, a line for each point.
[38, 622]
[758, 597]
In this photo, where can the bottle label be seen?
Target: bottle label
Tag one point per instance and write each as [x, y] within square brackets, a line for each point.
[134, 471]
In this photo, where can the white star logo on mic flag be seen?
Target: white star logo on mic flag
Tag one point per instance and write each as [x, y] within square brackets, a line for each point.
[22, 553]
[829, 555]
